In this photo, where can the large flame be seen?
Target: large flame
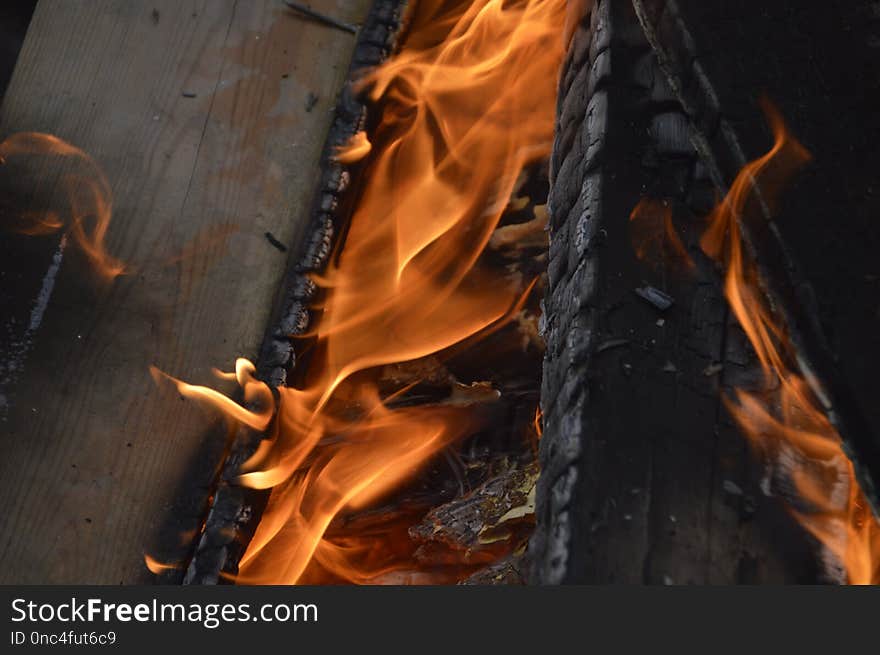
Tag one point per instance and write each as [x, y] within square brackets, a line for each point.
[85, 209]
[465, 107]
[787, 423]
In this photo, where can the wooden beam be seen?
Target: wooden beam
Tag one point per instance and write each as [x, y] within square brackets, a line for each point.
[209, 118]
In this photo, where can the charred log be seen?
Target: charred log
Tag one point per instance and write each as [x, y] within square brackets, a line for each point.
[644, 478]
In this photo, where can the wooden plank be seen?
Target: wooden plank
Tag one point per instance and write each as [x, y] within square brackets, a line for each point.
[95, 457]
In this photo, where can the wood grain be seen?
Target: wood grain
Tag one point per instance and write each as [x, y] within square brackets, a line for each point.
[95, 456]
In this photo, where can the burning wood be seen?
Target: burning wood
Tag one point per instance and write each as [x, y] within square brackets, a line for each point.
[722, 154]
[784, 413]
[408, 284]
[389, 432]
[787, 423]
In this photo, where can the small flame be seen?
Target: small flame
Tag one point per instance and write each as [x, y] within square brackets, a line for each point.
[357, 148]
[254, 392]
[467, 105]
[788, 422]
[157, 567]
[88, 200]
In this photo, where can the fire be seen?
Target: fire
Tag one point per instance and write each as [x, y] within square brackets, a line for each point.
[157, 567]
[466, 106]
[87, 206]
[357, 148]
[254, 391]
[787, 423]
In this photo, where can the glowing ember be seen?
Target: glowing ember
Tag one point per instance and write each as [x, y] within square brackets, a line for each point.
[787, 422]
[466, 106]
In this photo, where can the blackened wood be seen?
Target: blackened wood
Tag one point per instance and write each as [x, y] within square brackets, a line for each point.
[637, 467]
[481, 519]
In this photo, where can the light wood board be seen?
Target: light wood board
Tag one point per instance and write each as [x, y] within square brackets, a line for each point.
[94, 456]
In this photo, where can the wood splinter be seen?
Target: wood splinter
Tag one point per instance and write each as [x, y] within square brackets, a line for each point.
[323, 18]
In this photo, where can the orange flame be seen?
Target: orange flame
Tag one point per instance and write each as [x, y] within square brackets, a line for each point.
[157, 567]
[357, 148]
[254, 392]
[788, 422]
[467, 106]
[88, 198]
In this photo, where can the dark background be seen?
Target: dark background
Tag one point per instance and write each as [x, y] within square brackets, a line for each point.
[14, 18]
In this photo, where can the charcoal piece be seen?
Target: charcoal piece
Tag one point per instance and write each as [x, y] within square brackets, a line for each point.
[486, 515]
[657, 298]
